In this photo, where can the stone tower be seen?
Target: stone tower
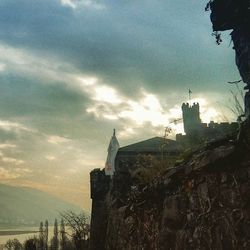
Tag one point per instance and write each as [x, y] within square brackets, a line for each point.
[99, 187]
[191, 118]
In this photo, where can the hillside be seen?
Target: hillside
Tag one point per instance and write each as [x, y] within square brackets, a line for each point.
[21, 205]
[201, 203]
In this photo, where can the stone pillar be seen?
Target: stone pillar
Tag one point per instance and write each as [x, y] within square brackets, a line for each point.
[99, 215]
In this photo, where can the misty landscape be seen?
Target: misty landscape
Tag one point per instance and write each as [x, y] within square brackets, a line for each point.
[26, 206]
[124, 125]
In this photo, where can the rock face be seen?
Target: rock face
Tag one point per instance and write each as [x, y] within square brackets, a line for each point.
[204, 203]
[235, 15]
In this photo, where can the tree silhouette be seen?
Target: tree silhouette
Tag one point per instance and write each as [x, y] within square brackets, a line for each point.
[13, 245]
[31, 244]
[63, 241]
[41, 237]
[46, 234]
[55, 241]
[78, 228]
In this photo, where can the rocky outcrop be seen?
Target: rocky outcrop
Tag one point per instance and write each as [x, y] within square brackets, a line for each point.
[203, 203]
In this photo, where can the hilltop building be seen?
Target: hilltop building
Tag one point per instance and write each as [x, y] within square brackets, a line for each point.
[157, 146]
[196, 131]
[120, 160]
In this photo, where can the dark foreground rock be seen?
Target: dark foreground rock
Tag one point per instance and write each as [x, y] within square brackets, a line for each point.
[203, 203]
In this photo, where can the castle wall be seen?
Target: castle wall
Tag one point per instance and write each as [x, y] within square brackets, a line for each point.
[196, 131]
[208, 132]
[201, 204]
[100, 186]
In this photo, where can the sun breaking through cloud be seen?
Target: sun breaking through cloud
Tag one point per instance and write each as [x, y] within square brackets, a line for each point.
[72, 70]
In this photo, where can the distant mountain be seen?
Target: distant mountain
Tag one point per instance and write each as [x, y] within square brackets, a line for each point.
[21, 205]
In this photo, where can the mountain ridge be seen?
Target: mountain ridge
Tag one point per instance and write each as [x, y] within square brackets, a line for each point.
[25, 205]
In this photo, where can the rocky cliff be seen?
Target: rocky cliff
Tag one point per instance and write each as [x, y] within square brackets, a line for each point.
[202, 203]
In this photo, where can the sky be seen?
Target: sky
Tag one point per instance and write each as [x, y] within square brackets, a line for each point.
[72, 70]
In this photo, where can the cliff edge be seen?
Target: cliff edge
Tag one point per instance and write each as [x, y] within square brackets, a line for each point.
[202, 203]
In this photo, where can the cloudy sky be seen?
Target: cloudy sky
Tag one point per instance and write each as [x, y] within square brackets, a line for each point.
[72, 70]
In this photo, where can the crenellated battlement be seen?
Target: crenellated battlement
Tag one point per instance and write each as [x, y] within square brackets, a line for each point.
[189, 106]
[196, 130]
[99, 187]
[107, 193]
[99, 183]
[191, 117]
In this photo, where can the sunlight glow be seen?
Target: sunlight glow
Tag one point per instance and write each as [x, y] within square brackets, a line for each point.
[106, 94]
[87, 81]
[207, 112]
[84, 3]
[55, 139]
[13, 126]
[126, 133]
[12, 160]
[69, 3]
[50, 157]
[146, 110]
[7, 175]
[7, 145]
[2, 67]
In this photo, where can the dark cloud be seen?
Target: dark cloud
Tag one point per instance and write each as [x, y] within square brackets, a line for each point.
[156, 44]
[22, 96]
[162, 47]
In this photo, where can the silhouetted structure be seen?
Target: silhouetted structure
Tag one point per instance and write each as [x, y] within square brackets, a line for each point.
[226, 15]
[191, 117]
[102, 184]
[197, 131]
[156, 146]
[99, 187]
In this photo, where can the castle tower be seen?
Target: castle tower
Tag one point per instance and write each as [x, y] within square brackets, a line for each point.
[191, 118]
[99, 187]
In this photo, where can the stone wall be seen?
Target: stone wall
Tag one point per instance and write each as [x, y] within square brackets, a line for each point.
[100, 186]
[209, 132]
[204, 203]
